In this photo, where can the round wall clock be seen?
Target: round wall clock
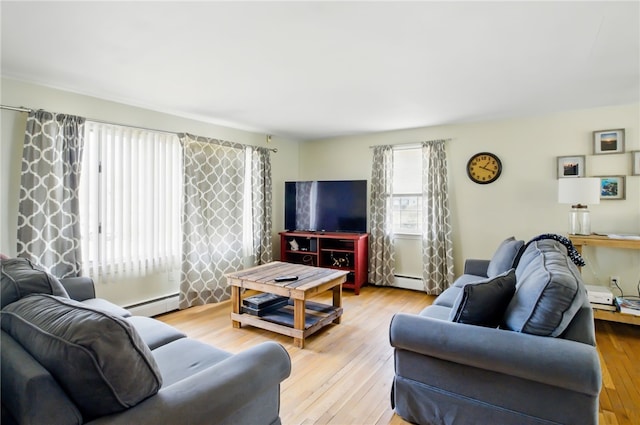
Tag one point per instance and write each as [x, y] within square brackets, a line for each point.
[484, 168]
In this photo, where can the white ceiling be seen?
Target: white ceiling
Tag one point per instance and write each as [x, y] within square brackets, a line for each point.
[308, 70]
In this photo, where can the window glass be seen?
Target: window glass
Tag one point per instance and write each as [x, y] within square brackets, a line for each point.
[407, 190]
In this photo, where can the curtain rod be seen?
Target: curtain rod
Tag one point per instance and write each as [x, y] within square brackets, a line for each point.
[16, 108]
[23, 109]
[408, 144]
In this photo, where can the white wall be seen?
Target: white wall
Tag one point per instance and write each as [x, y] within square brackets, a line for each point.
[14, 93]
[522, 202]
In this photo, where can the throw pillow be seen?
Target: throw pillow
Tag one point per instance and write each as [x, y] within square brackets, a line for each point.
[549, 291]
[98, 358]
[21, 278]
[484, 303]
[502, 259]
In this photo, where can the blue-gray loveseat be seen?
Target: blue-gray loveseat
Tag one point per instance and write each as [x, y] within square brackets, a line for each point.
[512, 341]
[69, 358]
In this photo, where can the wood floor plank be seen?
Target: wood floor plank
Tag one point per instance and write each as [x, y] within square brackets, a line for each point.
[619, 348]
[344, 373]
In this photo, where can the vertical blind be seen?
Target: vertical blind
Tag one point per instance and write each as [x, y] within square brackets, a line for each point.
[130, 195]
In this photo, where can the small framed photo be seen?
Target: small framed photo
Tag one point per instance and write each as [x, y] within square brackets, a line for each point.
[635, 163]
[612, 187]
[608, 141]
[571, 166]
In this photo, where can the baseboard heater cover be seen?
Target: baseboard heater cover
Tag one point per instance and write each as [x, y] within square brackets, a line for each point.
[155, 306]
[408, 282]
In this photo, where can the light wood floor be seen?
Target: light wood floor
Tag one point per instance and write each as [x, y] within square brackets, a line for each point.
[344, 373]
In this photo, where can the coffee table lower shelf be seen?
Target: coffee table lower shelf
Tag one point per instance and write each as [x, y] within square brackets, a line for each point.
[281, 321]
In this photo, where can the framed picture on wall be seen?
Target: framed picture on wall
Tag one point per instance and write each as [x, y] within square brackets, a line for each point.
[608, 141]
[571, 166]
[612, 187]
[635, 163]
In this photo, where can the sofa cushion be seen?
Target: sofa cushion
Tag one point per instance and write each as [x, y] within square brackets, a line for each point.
[484, 303]
[154, 332]
[439, 312]
[98, 359]
[106, 306]
[21, 278]
[502, 259]
[195, 356]
[449, 296]
[464, 279]
[549, 291]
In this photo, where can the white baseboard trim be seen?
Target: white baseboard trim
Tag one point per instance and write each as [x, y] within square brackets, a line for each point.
[155, 307]
[408, 283]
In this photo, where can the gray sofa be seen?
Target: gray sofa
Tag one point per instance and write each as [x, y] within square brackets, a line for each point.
[510, 342]
[69, 358]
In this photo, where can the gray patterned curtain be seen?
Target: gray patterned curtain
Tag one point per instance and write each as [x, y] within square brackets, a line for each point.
[381, 251]
[212, 218]
[48, 211]
[261, 189]
[437, 248]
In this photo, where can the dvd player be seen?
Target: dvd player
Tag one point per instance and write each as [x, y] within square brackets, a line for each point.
[599, 294]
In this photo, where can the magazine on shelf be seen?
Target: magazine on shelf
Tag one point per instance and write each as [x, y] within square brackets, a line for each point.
[628, 305]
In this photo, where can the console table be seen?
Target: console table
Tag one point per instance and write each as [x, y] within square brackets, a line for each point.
[598, 240]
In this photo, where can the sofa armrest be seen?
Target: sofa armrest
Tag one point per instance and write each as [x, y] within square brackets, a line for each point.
[27, 384]
[476, 267]
[79, 288]
[214, 394]
[554, 361]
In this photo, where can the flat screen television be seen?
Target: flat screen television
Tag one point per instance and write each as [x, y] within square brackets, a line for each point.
[326, 206]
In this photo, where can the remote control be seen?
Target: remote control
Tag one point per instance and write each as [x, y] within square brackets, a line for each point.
[285, 278]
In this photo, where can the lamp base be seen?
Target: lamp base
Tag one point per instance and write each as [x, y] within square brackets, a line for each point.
[579, 220]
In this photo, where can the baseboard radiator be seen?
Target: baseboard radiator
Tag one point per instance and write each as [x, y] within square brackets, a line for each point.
[155, 307]
[408, 282]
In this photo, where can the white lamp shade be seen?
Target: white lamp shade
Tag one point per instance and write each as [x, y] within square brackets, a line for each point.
[584, 191]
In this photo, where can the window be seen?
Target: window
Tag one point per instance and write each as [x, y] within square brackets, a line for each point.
[130, 197]
[407, 190]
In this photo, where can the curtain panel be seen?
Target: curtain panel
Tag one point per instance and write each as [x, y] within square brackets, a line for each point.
[381, 251]
[261, 205]
[212, 218]
[437, 246]
[48, 211]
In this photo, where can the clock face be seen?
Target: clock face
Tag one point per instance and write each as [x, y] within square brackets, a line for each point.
[484, 168]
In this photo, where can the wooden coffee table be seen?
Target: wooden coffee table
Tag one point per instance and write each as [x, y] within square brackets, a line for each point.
[311, 281]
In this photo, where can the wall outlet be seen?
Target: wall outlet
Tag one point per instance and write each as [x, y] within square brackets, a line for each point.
[614, 281]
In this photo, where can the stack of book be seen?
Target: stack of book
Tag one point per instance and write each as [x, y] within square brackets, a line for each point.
[263, 304]
[628, 305]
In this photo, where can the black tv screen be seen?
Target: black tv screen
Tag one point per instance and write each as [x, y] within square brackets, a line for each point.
[326, 206]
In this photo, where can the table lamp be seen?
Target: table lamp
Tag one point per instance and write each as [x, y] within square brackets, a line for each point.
[579, 192]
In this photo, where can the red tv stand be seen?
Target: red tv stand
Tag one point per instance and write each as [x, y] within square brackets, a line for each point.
[342, 251]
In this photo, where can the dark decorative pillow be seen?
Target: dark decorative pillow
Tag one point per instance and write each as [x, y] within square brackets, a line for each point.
[484, 303]
[21, 278]
[98, 358]
[502, 259]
